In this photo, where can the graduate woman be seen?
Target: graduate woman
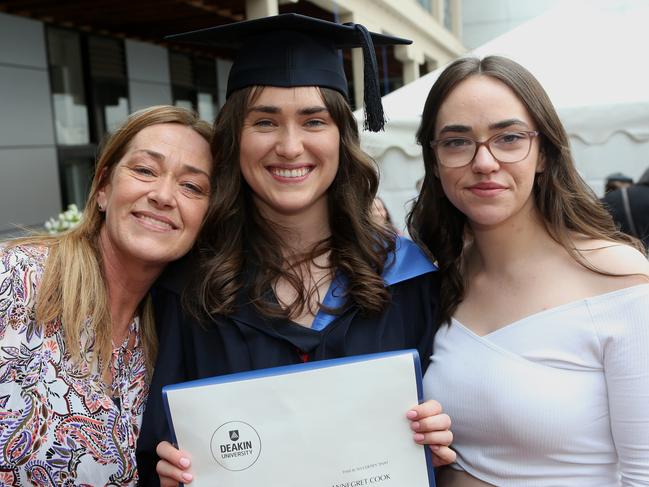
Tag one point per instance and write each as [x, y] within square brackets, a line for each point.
[543, 356]
[292, 267]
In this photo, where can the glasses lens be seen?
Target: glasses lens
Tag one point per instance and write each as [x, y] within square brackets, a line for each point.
[510, 147]
[455, 151]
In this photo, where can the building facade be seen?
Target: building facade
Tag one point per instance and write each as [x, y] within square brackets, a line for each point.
[70, 71]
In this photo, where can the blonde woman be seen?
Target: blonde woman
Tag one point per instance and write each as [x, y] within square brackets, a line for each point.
[77, 339]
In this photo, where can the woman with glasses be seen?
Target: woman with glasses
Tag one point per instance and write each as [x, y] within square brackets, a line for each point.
[542, 357]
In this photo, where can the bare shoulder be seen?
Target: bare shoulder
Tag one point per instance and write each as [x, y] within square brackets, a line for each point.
[616, 258]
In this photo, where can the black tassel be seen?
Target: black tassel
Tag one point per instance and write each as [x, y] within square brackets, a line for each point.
[374, 116]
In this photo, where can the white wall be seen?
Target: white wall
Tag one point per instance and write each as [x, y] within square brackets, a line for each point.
[483, 20]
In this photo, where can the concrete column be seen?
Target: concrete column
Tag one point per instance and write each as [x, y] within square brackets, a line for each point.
[410, 71]
[438, 10]
[456, 13]
[29, 174]
[410, 58]
[358, 74]
[256, 9]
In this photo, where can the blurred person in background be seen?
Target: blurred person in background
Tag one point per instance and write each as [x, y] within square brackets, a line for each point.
[617, 180]
[629, 207]
[382, 216]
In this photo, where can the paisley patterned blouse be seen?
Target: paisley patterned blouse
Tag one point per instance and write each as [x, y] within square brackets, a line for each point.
[58, 427]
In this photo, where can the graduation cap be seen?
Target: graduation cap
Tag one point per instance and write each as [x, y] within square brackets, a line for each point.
[295, 50]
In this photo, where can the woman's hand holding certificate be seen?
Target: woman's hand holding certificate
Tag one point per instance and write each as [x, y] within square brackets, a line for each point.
[324, 433]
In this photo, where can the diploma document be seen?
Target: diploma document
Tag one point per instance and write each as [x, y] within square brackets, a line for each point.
[331, 423]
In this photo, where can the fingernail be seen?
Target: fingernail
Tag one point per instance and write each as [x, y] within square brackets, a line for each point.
[184, 462]
[434, 447]
[418, 437]
[187, 477]
[414, 425]
[412, 414]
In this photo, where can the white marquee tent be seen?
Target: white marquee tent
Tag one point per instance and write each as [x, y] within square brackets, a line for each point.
[593, 60]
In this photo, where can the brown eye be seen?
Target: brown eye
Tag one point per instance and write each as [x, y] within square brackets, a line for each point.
[143, 170]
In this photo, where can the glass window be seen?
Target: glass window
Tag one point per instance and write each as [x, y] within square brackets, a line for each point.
[108, 83]
[427, 4]
[194, 84]
[390, 70]
[76, 175]
[182, 80]
[67, 84]
[90, 98]
[207, 88]
[448, 15]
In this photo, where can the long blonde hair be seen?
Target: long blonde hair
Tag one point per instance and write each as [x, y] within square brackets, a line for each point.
[73, 289]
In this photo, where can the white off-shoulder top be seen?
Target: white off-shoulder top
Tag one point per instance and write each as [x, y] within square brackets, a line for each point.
[559, 398]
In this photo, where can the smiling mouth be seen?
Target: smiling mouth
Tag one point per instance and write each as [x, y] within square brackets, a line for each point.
[155, 223]
[299, 172]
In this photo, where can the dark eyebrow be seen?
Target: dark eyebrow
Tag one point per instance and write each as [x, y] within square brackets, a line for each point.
[507, 123]
[494, 126]
[312, 110]
[159, 157]
[273, 110]
[264, 109]
[454, 128]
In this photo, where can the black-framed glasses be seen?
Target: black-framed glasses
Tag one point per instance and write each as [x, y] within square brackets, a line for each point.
[505, 147]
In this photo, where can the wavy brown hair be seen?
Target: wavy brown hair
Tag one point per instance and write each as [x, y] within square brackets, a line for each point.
[564, 200]
[73, 288]
[239, 247]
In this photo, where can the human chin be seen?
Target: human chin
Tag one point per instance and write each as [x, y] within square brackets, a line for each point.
[159, 253]
[287, 203]
[487, 215]
[158, 248]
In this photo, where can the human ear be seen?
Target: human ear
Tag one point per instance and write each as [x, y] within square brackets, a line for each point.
[102, 196]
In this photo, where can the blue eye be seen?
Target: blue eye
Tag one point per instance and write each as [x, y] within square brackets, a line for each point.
[509, 138]
[456, 143]
[315, 123]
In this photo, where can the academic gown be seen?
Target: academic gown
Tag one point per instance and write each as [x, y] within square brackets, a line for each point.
[247, 341]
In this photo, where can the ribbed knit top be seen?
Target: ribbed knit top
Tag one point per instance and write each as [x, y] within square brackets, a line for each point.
[559, 398]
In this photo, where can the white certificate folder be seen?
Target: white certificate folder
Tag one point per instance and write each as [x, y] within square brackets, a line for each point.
[329, 423]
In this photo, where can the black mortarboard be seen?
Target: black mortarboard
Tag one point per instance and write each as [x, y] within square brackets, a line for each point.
[295, 50]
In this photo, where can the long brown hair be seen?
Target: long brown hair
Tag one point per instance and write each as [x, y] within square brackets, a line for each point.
[73, 289]
[236, 238]
[564, 200]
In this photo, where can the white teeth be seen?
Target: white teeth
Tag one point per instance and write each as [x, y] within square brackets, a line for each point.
[291, 173]
[157, 223]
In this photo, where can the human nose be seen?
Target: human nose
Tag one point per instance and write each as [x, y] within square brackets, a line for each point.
[483, 160]
[290, 144]
[162, 193]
